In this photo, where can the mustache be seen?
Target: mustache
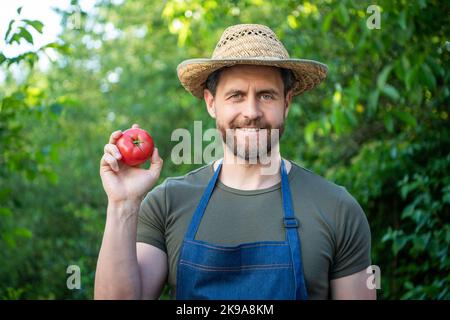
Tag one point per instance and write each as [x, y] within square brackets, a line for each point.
[250, 123]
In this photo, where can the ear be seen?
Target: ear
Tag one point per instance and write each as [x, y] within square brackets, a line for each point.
[209, 100]
[287, 103]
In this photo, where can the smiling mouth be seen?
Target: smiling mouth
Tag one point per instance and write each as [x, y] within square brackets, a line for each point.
[249, 129]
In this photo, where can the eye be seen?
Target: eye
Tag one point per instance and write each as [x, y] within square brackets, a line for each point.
[236, 96]
[266, 96]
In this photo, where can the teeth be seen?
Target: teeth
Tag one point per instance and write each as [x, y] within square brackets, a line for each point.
[249, 129]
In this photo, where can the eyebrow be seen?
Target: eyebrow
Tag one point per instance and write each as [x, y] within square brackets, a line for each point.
[263, 91]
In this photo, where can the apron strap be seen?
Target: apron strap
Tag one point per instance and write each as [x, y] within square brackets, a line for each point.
[198, 214]
[291, 224]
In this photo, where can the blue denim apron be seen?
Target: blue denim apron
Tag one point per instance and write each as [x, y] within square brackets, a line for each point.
[250, 271]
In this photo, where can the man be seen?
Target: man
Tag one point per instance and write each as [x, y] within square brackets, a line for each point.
[231, 230]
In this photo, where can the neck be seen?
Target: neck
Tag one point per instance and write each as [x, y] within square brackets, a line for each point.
[239, 174]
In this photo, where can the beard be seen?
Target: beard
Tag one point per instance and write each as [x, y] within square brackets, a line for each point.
[254, 146]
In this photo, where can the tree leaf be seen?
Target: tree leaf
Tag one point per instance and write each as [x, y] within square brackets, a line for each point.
[406, 117]
[4, 193]
[351, 119]
[446, 194]
[26, 35]
[372, 101]
[2, 58]
[435, 67]
[327, 22]
[15, 38]
[399, 243]
[389, 122]
[420, 242]
[382, 77]
[411, 78]
[62, 48]
[391, 92]
[309, 132]
[8, 31]
[402, 20]
[36, 24]
[292, 22]
[388, 235]
[23, 233]
[343, 16]
[428, 78]
[5, 212]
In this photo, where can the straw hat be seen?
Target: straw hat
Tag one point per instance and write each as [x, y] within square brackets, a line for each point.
[249, 44]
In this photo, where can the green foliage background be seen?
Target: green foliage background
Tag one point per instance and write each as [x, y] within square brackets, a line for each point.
[378, 125]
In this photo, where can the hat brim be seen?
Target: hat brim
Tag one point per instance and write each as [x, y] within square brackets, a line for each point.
[194, 72]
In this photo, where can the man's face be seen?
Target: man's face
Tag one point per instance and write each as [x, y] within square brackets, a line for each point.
[248, 106]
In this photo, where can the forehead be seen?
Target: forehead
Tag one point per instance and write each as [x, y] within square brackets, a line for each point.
[243, 75]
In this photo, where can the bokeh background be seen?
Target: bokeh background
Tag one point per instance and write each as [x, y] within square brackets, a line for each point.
[378, 125]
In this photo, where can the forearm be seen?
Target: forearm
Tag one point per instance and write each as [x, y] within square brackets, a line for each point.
[117, 275]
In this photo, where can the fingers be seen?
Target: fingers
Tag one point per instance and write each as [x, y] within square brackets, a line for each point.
[118, 133]
[156, 159]
[111, 156]
[115, 136]
[156, 164]
[112, 150]
[112, 153]
[109, 161]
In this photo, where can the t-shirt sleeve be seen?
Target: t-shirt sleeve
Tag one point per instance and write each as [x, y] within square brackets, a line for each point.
[353, 238]
[151, 220]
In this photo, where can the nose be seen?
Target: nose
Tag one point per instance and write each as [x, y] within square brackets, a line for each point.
[251, 109]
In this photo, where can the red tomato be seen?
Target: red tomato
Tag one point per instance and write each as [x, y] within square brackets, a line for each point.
[135, 146]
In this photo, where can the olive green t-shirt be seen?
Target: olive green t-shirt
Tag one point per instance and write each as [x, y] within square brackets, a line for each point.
[334, 232]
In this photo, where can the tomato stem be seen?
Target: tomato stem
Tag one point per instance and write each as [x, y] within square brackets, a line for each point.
[138, 144]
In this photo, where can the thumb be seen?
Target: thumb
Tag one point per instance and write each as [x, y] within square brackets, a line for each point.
[156, 164]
